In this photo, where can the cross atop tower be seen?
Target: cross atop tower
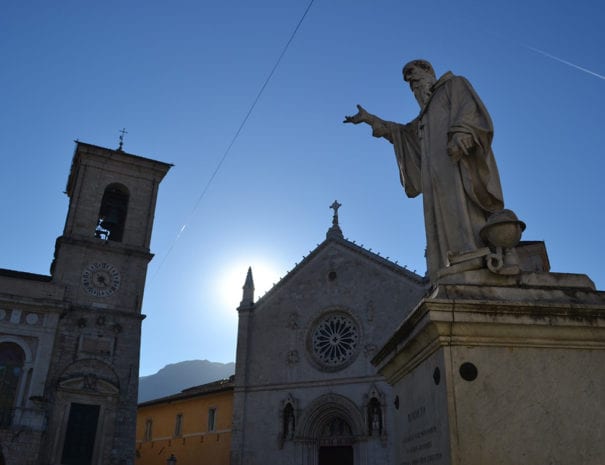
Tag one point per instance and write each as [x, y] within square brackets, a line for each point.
[335, 206]
[335, 230]
[122, 132]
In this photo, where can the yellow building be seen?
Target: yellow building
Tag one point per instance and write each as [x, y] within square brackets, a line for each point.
[194, 426]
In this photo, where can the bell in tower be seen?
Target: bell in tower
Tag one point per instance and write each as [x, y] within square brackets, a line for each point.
[112, 214]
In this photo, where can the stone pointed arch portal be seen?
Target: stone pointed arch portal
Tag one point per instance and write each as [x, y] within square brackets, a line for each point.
[332, 432]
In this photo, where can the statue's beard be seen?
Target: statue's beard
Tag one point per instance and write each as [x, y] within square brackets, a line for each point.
[422, 92]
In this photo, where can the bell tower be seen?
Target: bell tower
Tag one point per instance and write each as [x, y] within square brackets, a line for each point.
[102, 256]
[101, 262]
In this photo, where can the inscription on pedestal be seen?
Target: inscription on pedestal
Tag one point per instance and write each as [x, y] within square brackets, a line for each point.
[422, 419]
[418, 445]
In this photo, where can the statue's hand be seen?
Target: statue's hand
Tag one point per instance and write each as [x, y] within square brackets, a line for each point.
[362, 116]
[460, 144]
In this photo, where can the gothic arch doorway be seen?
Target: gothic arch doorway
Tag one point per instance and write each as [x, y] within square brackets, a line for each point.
[331, 432]
[336, 443]
[335, 455]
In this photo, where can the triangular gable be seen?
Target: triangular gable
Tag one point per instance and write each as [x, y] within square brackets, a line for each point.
[346, 245]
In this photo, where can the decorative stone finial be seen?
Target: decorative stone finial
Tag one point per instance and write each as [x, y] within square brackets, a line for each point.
[335, 230]
[248, 294]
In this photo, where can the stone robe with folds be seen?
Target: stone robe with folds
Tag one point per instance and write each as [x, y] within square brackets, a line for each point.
[458, 196]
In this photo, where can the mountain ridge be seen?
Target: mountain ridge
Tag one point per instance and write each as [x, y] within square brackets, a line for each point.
[174, 377]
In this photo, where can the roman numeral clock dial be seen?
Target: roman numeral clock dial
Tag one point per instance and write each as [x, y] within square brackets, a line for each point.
[101, 279]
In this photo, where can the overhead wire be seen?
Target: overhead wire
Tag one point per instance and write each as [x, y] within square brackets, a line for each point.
[234, 138]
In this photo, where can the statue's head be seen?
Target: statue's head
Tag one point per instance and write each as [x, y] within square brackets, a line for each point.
[414, 67]
[421, 76]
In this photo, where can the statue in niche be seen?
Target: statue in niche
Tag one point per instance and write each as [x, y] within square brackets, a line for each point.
[445, 154]
[374, 417]
[288, 422]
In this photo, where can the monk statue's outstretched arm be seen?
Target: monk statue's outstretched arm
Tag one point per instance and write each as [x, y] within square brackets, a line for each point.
[380, 128]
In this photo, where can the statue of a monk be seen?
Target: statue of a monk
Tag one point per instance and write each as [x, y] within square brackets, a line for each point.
[445, 154]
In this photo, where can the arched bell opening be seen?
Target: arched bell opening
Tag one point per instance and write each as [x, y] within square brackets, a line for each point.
[112, 214]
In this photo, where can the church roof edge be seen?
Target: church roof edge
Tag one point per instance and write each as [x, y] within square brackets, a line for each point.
[121, 152]
[208, 388]
[351, 246]
[25, 275]
[83, 147]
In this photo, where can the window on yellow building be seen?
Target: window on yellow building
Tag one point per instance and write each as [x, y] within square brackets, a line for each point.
[211, 419]
[148, 430]
[178, 425]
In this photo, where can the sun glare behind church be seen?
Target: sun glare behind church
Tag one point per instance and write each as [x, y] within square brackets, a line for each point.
[231, 281]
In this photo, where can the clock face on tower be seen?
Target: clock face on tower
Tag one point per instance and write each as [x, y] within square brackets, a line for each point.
[101, 279]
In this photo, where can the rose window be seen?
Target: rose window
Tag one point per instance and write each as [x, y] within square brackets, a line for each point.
[334, 340]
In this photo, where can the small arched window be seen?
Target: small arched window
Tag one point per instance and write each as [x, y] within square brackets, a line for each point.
[12, 359]
[112, 214]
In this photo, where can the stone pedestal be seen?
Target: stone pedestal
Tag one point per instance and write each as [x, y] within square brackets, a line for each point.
[502, 371]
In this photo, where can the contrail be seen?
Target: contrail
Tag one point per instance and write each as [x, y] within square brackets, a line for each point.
[546, 54]
[560, 60]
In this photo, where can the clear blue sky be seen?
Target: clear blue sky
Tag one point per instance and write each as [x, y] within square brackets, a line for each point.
[180, 77]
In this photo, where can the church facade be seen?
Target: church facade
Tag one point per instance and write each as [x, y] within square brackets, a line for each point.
[70, 341]
[306, 392]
